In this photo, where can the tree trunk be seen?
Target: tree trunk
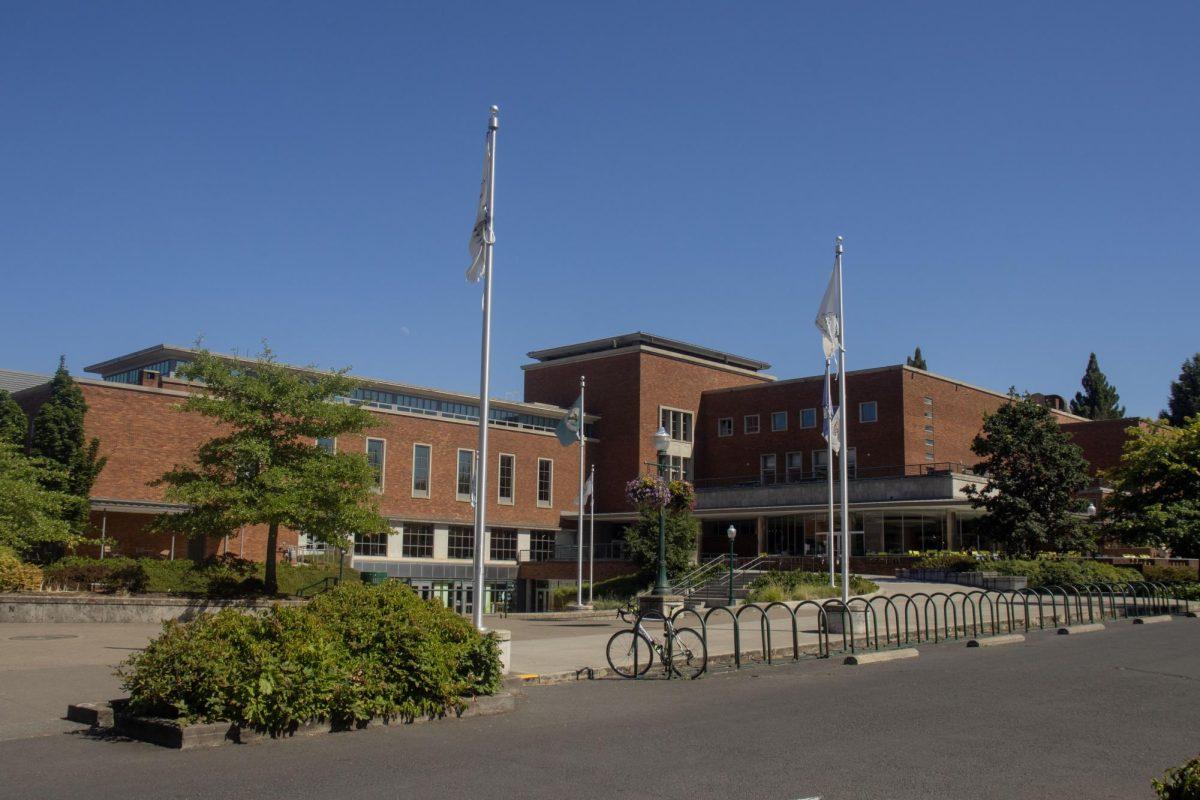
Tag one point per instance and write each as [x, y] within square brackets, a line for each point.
[272, 583]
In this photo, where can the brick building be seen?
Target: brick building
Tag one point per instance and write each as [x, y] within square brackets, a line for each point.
[751, 443]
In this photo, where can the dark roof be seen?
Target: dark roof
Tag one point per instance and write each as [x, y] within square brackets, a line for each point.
[640, 338]
[12, 381]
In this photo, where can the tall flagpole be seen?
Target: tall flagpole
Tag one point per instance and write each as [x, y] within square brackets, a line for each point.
[579, 519]
[592, 534]
[829, 550]
[845, 449]
[485, 358]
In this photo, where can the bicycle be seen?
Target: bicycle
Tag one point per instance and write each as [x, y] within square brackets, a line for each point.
[681, 652]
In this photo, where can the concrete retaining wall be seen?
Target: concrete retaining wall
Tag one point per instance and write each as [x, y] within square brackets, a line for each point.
[109, 608]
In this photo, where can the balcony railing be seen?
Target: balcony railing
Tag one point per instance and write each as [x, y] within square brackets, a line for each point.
[793, 476]
[605, 551]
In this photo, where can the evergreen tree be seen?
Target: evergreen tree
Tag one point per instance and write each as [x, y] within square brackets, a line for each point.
[1185, 394]
[58, 436]
[1098, 400]
[916, 360]
[33, 518]
[14, 425]
[1032, 474]
[265, 468]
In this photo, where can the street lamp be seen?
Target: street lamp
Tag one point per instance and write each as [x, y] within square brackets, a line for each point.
[1090, 510]
[732, 534]
[662, 440]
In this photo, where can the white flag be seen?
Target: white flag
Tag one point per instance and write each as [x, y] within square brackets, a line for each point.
[829, 315]
[482, 234]
[587, 489]
[832, 429]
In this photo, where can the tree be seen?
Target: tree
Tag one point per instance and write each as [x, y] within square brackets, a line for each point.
[58, 436]
[1184, 401]
[1032, 474]
[33, 517]
[642, 540]
[916, 360]
[14, 425]
[1098, 400]
[266, 469]
[1156, 489]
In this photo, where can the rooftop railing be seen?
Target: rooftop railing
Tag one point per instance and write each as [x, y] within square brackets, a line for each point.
[793, 476]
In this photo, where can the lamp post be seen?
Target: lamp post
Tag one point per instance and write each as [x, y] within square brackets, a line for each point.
[732, 534]
[662, 440]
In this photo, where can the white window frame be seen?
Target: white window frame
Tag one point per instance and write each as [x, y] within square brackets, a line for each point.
[787, 468]
[720, 422]
[540, 502]
[691, 426]
[500, 483]
[804, 411]
[774, 414]
[425, 495]
[464, 498]
[746, 424]
[875, 406]
[762, 470]
[817, 457]
[317, 442]
[382, 461]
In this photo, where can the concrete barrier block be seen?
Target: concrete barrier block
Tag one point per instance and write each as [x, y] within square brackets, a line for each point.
[995, 641]
[1152, 620]
[504, 640]
[877, 657]
[98, 715]
[1090, 627]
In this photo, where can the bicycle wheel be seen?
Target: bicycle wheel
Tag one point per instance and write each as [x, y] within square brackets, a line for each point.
[689, 656]
[626, 649]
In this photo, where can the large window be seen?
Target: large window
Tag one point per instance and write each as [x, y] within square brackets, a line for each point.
[464, 485]
[820, 463]
[725, 426]
[779, 420]
[376, 456]
[461, 542]
[766, 468]
[504, 487]
[504, 545]
[541, 545]
[417, 541]
[795, 467]
[677, 423]
[370, 544]
[420, 480]
[750, 423]
[868, 411]
[545, 482]
[808, 418]
[679, 468]
[329, 445]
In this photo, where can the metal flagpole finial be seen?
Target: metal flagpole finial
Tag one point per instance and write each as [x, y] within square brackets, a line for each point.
[839, 244]
[495, 121]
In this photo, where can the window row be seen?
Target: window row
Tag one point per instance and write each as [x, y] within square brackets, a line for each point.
[868, 411]
[417, 541]
[794, 471]
[464, 486]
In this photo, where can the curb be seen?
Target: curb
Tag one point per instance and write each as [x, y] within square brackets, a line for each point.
[1152, 620]
[993, 641]
[881, 656]
[1090, 627]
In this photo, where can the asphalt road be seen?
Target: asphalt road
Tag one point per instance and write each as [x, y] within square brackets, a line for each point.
[1086, 716]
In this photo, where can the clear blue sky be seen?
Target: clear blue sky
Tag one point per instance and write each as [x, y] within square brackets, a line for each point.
[1017, 183]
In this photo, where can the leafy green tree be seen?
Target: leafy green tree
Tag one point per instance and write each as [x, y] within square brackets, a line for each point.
[1156, 489]
[265, 468]
[642, 540]
[1184, 401]
[14, 425]
[1032, 472]
[33, 517]
[58, 436]
[1098, 400]
[916, 360]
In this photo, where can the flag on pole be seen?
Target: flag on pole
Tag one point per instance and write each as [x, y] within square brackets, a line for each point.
[587, 488]
[829, 315]
[832, 429]
[482, 234]
[569, 427]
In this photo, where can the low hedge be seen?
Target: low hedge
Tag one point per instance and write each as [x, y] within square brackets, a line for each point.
[1055, 572]
[608, 593]
[354, 653]
[800, 585]
[1168, 573]
[218, 576]
[948, 560]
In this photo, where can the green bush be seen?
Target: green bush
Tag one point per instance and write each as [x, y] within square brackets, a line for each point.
[800, 585]
[948, 560]
[110, 574]
[1058, 572]
[16, 575]
[1181, 783]
[218, 576]
[608, 593]
[351, 654]
[1168, 573]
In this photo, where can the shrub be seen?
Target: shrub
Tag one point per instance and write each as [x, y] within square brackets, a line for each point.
[799, 585]
[16, 575]
[110, 574]
[948, 560]
[351, 654]
[1055, 572]
[1168, 573]
[1181, 783]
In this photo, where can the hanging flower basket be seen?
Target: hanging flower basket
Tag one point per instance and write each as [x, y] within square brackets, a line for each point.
[683, 495]
[647, 492]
